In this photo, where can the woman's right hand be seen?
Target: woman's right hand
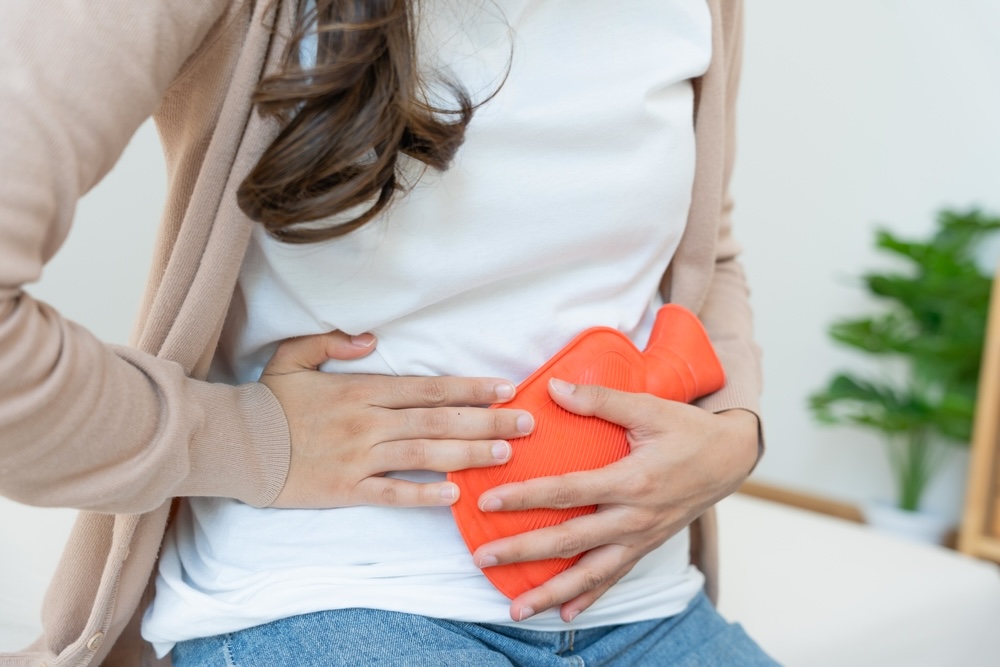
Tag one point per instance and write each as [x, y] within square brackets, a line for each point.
[348, 430]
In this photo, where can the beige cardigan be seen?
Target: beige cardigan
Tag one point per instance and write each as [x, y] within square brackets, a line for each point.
[118, 432]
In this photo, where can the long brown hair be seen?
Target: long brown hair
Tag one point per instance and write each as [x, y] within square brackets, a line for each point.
[347, 120]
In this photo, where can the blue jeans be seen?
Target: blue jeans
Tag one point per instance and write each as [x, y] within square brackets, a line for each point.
[362, 637]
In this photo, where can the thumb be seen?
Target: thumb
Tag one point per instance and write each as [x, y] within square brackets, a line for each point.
[618, 407]
[308, 352]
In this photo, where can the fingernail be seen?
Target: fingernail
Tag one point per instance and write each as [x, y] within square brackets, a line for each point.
[504, 391]
[501, 451]
[561, 386]
[525, 422]
[363, 340]
[490, 504]
[449, 492]
[487, 560]
[572, 615]
[526, 612]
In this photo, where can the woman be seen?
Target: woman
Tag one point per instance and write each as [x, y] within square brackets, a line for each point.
[119, 432]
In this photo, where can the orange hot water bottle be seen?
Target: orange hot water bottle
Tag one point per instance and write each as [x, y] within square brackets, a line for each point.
[678, 364]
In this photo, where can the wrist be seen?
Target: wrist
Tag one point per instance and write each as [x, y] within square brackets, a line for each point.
[743, 438]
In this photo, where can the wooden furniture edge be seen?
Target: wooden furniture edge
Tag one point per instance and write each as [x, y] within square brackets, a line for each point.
[802, 500]
[978, 533]
[987, 548]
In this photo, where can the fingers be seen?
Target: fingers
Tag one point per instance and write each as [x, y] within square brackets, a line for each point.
[402, 493]
[572, 608]
[435, 455]
[578, 587]
[577, 489]
[441, 455]
[308, 352]
[619, 407]
[456, 423]
[564, 540]
[432, 392]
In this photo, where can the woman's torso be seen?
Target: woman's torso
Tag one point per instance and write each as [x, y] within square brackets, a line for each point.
[561, 212]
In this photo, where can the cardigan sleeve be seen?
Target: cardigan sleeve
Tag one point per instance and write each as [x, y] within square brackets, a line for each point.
[725, 309]
[84, 424]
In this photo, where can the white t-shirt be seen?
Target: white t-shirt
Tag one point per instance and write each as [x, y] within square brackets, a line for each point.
[561, 212]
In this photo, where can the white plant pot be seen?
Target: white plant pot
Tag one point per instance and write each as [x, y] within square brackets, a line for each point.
[918, 526]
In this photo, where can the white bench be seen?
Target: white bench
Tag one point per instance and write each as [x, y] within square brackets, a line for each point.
[816, 591]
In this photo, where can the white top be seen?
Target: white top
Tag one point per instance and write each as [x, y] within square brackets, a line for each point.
[561, 212]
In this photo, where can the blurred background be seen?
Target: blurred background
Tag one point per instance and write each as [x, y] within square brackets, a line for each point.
[853, 114]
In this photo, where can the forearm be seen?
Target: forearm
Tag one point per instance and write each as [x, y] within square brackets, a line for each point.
[83, 424]
[110, 429]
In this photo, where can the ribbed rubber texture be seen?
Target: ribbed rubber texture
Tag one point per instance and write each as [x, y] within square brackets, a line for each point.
[678, 364]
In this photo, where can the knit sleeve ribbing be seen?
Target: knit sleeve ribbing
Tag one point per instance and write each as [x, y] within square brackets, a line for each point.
[84, 424]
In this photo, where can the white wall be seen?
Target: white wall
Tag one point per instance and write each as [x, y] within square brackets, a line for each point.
[97, 277]
[852, 112]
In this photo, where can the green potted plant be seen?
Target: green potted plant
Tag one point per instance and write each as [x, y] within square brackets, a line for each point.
[933, 322]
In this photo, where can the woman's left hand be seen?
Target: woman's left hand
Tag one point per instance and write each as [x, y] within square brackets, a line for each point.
[683, 459]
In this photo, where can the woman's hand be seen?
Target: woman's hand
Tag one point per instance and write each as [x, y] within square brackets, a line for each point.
[683, 460]
[349, 430]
